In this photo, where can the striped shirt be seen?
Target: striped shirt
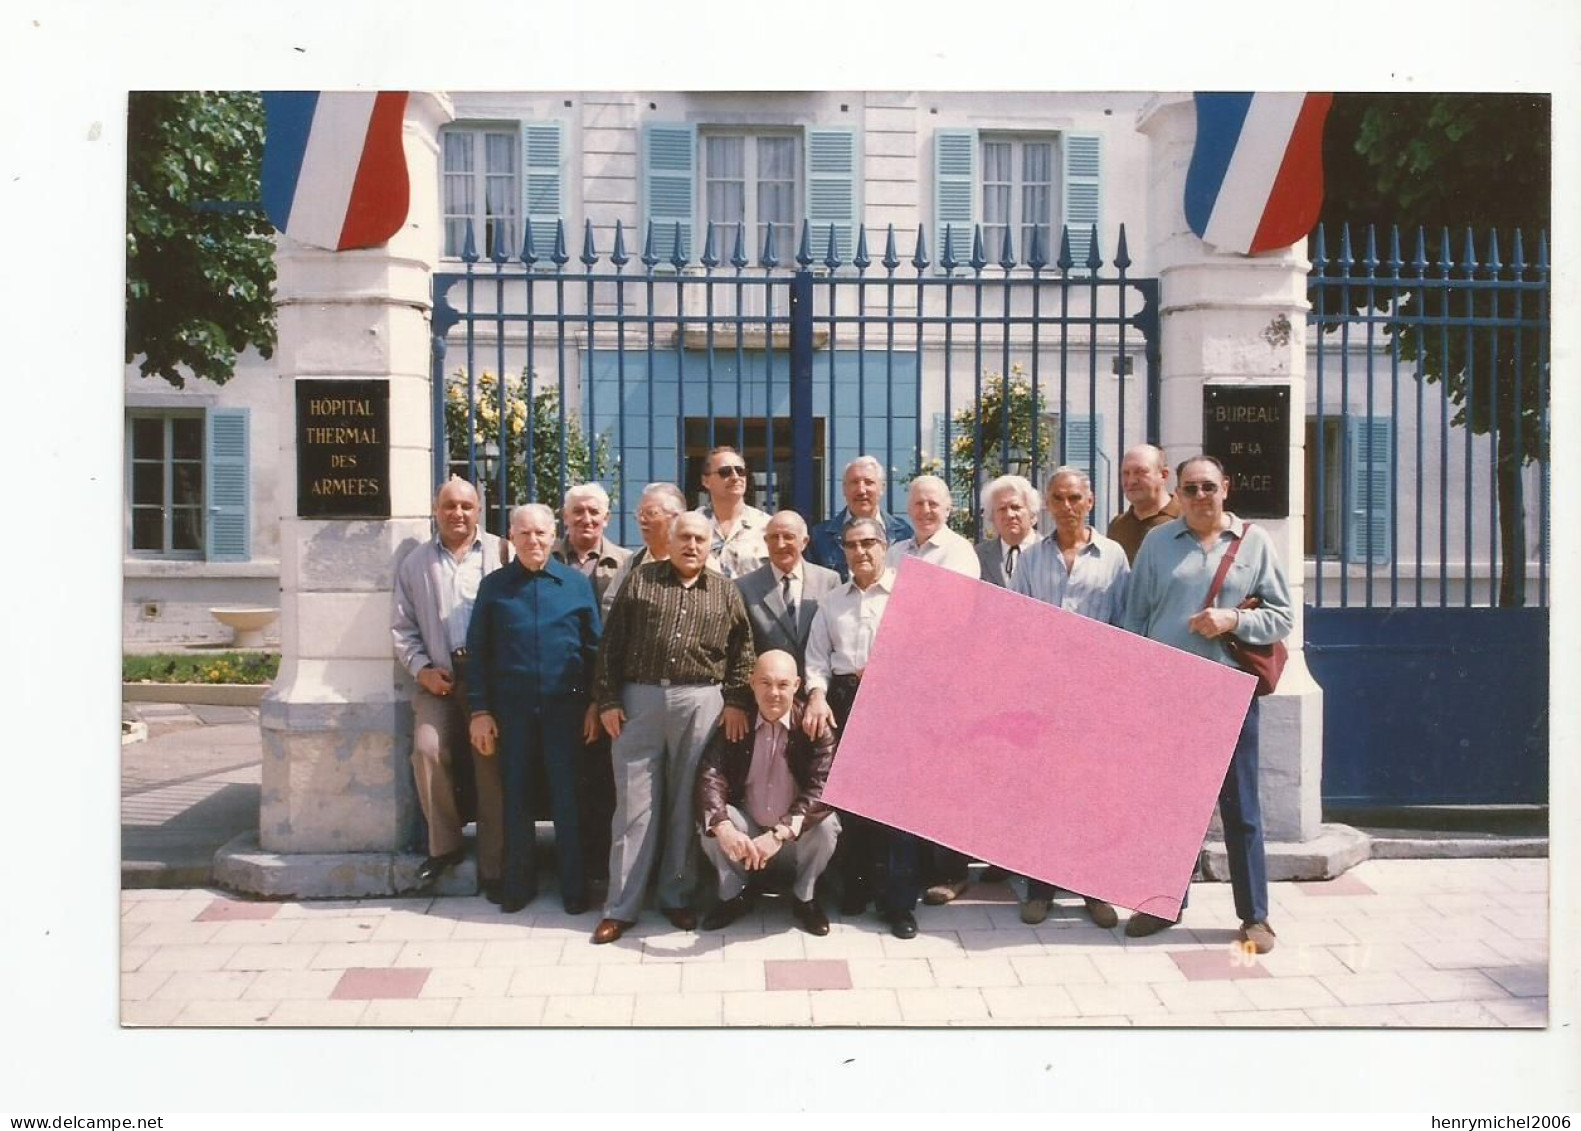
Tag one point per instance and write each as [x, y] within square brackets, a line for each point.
[1093, 586]
[662, 632]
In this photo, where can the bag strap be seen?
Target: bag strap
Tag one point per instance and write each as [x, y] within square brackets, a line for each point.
[1224, 567]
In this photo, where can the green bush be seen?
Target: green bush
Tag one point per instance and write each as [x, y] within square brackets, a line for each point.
[221, 667]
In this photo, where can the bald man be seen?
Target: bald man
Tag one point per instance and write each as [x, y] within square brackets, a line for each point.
[1144, 477]
[760, 801]
[782, 596]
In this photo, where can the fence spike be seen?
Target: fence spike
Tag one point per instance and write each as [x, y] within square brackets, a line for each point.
[559, 256]
[860, 260]
[1395, 263]
[1122, 253]
[1370, 258]
[1445, 260]
[1320, 251]
[1419, 260]
[768, 259]
[1036, 258]
[618, 256]
[1346, 259]
[589, 254]
[710, 257]
[1493, 264]
[978, 260]
[831, 257]
[1518, 256]
[804, 252]
[947, 258]
[649, 259]
[738, 256]
[469, 246]
[890, 260]
[919, 254]
[677, 254]
[529, 249]
[1542, 253]
[499, 255]
[1007, 251]
[1469, 257]
[1094, 259]
[1064, 262]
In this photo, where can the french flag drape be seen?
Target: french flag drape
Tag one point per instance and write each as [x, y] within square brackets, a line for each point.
[334, 170]
[1256, 176]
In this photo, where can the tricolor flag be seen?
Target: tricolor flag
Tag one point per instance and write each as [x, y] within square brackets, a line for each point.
[1256, 176]
[334, 170]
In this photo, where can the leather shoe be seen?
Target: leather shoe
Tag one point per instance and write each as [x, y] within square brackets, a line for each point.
[574, 906]
[510, 904]
[608, 930]
[902, 924]
[429, 870]
[1100, 912]
[681, 918]
[727, 912]
[810, 916]
[491, 891]
[940, 894]
[1258, 936]
[1034, 911]
[1141, 924]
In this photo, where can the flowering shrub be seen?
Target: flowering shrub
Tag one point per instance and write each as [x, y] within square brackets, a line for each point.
[225, 667]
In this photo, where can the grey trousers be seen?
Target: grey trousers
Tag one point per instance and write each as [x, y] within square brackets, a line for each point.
[655, 763]
[804, 858]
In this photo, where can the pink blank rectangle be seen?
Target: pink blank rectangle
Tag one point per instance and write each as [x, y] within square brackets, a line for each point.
[1033, 738]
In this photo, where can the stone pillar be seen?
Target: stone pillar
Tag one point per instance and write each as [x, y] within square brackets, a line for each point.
[338, 806]
[1235, 319]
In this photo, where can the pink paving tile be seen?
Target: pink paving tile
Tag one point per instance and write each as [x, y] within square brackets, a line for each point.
[226, 910]
[1339, 885]
[1218, 965]
[806, 974]
[361, 982]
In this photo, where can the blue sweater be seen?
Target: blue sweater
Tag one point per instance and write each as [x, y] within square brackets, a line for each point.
[824, 547]
[533, 637]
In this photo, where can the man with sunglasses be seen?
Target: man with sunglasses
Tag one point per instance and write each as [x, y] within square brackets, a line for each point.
[737, 527]
[1169, 586]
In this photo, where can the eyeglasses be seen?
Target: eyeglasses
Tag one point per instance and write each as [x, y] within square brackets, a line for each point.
[862, 544]
[731, 470]
[1192, 490]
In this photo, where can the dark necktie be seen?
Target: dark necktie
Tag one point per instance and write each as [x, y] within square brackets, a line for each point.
[1010, 561]
[785, 592]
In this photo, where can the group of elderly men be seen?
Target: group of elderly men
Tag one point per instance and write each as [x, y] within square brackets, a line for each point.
[684, 702]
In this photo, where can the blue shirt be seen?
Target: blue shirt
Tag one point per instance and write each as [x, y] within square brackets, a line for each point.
[1172, 575]
[825, 549]
[534, 635]
[1094, 586]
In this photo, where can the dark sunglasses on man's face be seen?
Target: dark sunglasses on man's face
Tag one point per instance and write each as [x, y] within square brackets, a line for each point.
[1206, 490]
[862, 544]
[731, 470]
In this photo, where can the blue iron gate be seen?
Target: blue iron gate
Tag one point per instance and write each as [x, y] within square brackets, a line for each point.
[1427, 524]
[630, 372]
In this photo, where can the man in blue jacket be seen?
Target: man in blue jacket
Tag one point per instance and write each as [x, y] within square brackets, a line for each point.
[863, 484]
[532, 641]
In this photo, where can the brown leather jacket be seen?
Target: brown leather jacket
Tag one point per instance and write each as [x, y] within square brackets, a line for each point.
[722, 773]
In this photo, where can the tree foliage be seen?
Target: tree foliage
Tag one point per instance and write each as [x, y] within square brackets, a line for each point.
[199, 281]
[1464, 176]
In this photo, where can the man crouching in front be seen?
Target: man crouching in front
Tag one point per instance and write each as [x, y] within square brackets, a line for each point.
[760, 801]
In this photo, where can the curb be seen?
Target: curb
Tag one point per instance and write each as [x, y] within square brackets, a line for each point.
[200, 694]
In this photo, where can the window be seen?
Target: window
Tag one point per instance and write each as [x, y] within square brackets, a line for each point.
[752, 180]
[482, 184]
[166, 484]
[1358, 488]
[1018, 195]
[1019, 184]
[187, 491]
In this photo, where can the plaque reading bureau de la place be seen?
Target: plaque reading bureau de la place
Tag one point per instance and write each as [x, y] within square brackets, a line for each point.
[1247, 427]
[343, 449]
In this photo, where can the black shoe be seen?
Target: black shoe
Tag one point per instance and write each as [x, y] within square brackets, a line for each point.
[994, 874]
[902, 924]
[574, 906]
[510, 904]
[727, 912]
[430, 869]
[810, 916]
[491, 891]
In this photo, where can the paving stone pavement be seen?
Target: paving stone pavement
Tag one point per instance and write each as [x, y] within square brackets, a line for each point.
[1394, 943]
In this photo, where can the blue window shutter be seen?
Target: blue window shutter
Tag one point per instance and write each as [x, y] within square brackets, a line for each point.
[955, 191]
[669, 187]
[832, 191]
[1084, 450]
[543, 182]
[228, 524]
[1368, 467]
[1082, 195]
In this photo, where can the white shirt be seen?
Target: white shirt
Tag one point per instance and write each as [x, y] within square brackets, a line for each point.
[946, 548]
[844, 628]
